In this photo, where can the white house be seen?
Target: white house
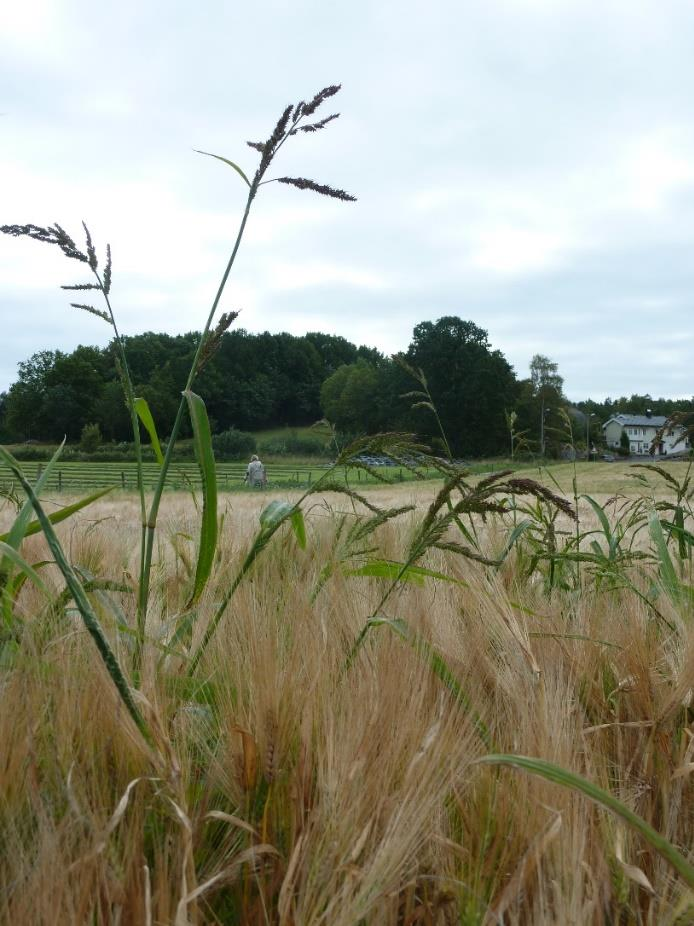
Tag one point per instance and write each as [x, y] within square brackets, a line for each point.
[641, 431]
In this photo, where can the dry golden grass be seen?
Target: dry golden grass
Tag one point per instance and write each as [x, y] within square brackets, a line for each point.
[282, 789]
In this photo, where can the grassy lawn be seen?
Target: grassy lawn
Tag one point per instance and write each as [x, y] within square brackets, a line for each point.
[608, 478]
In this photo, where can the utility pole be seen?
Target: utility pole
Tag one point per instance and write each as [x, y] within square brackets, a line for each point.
[542, 427]
[588, 417]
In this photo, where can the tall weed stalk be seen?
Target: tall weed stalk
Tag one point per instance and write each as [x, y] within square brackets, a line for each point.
[295, 119]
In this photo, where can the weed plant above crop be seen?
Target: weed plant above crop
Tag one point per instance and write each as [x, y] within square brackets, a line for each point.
[307, 707]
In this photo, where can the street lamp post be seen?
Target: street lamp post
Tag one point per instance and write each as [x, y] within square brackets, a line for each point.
[588, 417]
[542, 427]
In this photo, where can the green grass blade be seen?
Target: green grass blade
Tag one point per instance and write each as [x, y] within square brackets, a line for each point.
[145, 416]
[79, 596]
[514, 537]
[679, 524]
[55, 517]
[273, 514]
[25, 568]
[226, 161]
[601, 516]
[299, 527]
[202, 441]
[20, 529]
[561, 776]
[668, 574]
[394, 571]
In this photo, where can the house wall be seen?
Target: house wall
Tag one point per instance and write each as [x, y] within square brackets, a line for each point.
[613, 432]
[675, 443]
[641, 437]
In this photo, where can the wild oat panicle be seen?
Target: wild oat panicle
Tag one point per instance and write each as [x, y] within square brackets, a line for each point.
[214, 338]
[107, 271]
[287, 125]
[91, 252]
[92, 311]
[303, 184]
[51, 235]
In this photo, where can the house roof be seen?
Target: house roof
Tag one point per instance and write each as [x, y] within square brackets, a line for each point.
[640, 421]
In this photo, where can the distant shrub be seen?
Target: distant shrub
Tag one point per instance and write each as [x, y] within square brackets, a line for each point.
[305, 446]
[273, 447]
[90, 438]
[233, 444]
[106, 453]
[29, 453]
[294, 446]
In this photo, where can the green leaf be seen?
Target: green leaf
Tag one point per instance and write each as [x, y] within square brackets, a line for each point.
[514, 537]
[202, 441]
[17, 583]
[668, 575]
[273, 514]
[561, 776]
[55, 517]
[394, 571]
[601, 516]
[20, 563]
[145, 416]
[226, 161]
[21, 527]
[299, 527]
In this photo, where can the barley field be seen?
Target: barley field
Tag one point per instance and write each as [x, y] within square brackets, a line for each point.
[297, 779]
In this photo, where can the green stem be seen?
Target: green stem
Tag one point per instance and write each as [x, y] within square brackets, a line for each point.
[151, 520]
[130, 402]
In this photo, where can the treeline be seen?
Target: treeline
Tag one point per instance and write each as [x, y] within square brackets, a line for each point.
[262, 381]
[254, 381]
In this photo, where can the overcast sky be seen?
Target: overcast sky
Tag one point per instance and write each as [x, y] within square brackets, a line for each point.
[526, 164]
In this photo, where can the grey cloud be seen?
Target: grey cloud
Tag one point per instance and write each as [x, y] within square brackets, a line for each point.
[515, 120]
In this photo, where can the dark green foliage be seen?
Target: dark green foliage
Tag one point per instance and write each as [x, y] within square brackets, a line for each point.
[258, 381]
[471, 385]
[293, 445]
[352, 398]
[90, 439]
[233, 445]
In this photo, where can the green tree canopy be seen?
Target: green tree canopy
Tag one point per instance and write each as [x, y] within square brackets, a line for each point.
[470, 384]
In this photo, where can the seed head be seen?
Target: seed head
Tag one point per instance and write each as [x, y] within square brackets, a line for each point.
[91, 252]
[92, 311]
[107, 271]
[303, 184]
[51, 235]
[214, 338]
[310, 108]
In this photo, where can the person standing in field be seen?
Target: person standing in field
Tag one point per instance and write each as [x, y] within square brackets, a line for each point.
[256, 476]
